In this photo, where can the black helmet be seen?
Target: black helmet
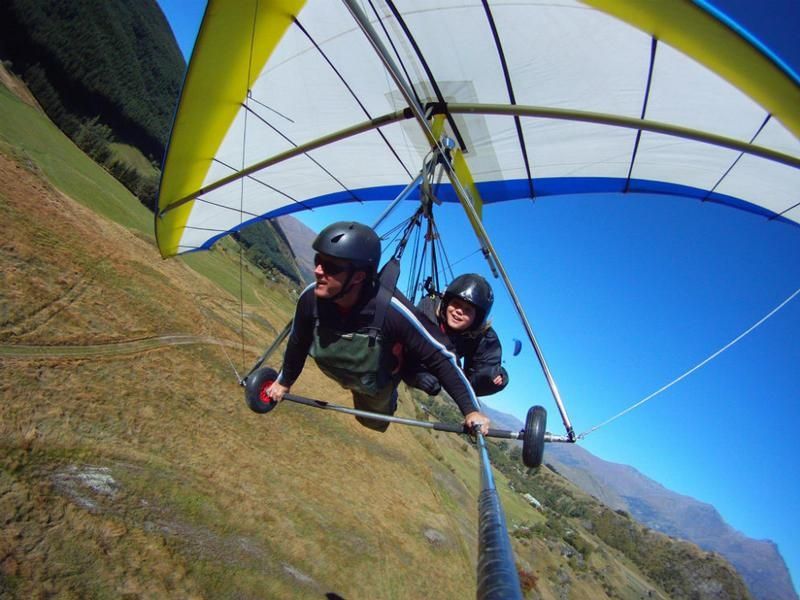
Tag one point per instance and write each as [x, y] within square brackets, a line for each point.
[474, 289]
[350, 241]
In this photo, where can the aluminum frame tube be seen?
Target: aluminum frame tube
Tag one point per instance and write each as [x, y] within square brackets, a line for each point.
[268, 352]
[497, 571]
[402, 196]
[436, 425]
[372, 36]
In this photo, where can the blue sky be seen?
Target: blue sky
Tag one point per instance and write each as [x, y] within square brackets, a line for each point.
[627, 293]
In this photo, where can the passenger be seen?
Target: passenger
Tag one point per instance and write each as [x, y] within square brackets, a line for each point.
[338, 321]
[462, 315]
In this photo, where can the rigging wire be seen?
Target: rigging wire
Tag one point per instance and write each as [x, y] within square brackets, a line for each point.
[241, 191]
[447, 267]
[463, 258]
[694, 368]
[240, 243]
[230, 361]
[416, 264]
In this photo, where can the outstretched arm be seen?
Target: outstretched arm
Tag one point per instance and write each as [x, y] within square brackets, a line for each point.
[430, 350]
[297, 346]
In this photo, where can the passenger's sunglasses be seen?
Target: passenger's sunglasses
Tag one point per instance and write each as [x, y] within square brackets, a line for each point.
[330, 268]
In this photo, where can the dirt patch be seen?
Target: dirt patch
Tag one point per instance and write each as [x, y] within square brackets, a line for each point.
[84, 484]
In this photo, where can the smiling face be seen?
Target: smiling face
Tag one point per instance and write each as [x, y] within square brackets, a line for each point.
[459, 314]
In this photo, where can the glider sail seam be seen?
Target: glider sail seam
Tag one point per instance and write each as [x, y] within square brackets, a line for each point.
[285, 137]
[272, 188]
[738, 158]
[512, 99]
[353, 94]
[692, 27]
[293, 152]
[428, 72]
[653, 48]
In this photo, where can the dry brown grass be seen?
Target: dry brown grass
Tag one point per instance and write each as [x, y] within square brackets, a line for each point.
[210, 500]
[145, 476]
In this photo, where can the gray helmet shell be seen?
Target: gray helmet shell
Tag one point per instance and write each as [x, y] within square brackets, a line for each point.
[474, 289]
[354, 242]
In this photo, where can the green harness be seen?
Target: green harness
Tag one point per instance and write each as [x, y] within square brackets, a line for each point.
[359, 360]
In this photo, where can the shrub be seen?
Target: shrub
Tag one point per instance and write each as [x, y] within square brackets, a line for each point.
[527, 580]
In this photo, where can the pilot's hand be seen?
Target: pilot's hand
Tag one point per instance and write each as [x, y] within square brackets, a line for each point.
[276, 391]
[500, 376]
[475, 418]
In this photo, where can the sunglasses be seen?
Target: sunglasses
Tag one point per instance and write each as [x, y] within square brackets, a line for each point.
[329, 267]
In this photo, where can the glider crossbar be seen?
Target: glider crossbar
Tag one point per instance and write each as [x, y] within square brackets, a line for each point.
[319, 142]
[499, 109]
[627, 122]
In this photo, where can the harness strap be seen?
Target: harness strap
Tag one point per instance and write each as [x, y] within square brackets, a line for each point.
[387, 282]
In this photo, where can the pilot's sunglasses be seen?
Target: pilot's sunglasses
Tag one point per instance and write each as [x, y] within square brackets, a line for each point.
[330, 268]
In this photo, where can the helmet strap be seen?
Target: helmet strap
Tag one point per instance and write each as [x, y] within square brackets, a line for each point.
[348, 284]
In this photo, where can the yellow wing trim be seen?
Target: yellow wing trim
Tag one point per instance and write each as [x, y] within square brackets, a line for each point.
[699, 34]
[235, 40]
[461, 170]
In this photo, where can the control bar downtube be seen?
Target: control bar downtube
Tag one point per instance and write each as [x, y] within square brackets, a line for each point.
[497, 572]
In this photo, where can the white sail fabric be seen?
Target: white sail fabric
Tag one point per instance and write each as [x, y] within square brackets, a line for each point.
[320, 76]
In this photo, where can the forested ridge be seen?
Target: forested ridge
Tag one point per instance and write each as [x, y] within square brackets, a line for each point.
[113, 63]
[266, 246]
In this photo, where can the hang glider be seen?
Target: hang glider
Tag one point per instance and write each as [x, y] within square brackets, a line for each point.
[290, 105]
[287, 106]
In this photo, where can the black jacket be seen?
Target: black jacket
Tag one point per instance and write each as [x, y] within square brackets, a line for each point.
[422, 343]
[481, 352]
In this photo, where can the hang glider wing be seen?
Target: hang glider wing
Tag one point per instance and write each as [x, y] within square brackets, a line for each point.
[286, 106]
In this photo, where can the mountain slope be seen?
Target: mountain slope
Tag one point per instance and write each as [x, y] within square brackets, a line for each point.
[146, 476]
[622, 487]
[300, 238]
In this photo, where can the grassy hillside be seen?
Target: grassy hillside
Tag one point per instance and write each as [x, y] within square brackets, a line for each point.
[134, 157]
[144, 475]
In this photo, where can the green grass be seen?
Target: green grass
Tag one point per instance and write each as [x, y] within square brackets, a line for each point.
[29, 136]
[37, 143]
[221, 265]
[214, 501]
[133, 156]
